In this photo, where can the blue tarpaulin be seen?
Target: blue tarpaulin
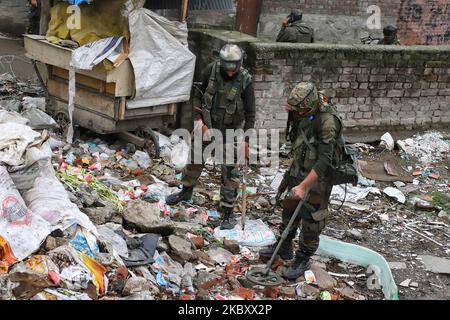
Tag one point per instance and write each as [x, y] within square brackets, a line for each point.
[78, 2]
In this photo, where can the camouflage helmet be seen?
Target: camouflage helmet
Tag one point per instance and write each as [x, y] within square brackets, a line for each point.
[304, 97]
[231, 57]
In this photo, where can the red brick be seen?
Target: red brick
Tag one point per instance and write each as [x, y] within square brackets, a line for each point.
[245, 293]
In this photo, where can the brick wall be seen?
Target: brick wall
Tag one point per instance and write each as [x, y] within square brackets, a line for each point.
[375, 89]
[424, 22]
[418, 21]
[13, 17]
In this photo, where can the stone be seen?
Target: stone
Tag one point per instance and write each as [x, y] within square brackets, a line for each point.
[263, 202]
[198, 242]
[181, 247]
[310, 291]
[245, 293]
[102, 215]
[135, 285]
[414, 285]
[206, 280]
[146, 295]
[348, 293]
[203, 294]
[162, 245]
[397, 265]
[442, 214]
[143, 271]
[145, 217]
[395, 193]
[405, 283]
[354, 234]
[232, 246]
[399, 184]
[87, 195]
[323, 279]
[204, 258]
[288, 292]
[435, 264]
[50, 243]
[181, 228]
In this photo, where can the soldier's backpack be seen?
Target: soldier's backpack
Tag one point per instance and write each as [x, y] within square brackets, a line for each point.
[343, 168]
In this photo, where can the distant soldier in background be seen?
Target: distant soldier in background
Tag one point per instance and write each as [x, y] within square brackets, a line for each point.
[390, 36]
[294, 30]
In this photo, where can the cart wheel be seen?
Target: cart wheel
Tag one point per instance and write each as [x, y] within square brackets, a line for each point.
[63, 121]
[151, 141]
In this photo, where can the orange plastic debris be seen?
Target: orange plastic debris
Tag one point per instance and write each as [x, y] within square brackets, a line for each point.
[7, 257]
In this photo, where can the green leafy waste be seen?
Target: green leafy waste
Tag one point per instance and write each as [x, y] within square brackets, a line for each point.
[105, 192]
[441, 200]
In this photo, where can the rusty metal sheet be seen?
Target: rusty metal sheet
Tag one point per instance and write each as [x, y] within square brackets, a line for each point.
[247, 16]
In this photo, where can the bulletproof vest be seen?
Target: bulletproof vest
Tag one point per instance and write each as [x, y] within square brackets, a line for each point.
[305, 145]
[304, 32]
[223, 98]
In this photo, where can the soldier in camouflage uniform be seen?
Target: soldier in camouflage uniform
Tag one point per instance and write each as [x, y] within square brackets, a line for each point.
[314, 135]
[229, 100]
[390, 36]
[294, 30]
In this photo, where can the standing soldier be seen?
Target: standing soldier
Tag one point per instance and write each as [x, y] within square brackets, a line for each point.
[228, 103]
[294, 30]
[390, 36]
[314, 134]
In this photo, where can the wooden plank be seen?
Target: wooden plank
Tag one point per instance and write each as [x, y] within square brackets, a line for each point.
[37, 48]
[84, 80]
[90, 101]
[86, 119]
[154, 111]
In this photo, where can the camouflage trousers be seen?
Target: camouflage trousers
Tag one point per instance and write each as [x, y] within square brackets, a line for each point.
[230, 181]
[311, 227]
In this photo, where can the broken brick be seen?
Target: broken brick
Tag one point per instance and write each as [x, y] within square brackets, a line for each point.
[245, 293]
[232, 246]
[271, 292]
[185, 297]
[198, 242]
[276, 264]
[206, 280]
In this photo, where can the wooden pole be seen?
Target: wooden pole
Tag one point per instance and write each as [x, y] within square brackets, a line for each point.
[46, 6]
[184, 10]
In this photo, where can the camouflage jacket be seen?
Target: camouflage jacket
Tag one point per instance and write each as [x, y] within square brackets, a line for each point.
[297, 32]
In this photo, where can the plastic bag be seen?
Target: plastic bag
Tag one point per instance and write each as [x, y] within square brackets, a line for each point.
[143, 159]
[23, 230]
[33, 103]
[256, 234]
[39, 119]
[14, 141]
[220, 255]
[14, 117]
[179, 155]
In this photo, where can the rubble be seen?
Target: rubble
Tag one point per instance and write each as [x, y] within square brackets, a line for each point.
[145, 217]
[181, 248]
[139, 248]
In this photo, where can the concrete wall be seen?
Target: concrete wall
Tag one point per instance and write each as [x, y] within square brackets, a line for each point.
[13, 17]
[376, 88]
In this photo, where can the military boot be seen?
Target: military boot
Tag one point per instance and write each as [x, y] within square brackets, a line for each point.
[226, 224]
[298, 267]
[285, 252]
[184, 195]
